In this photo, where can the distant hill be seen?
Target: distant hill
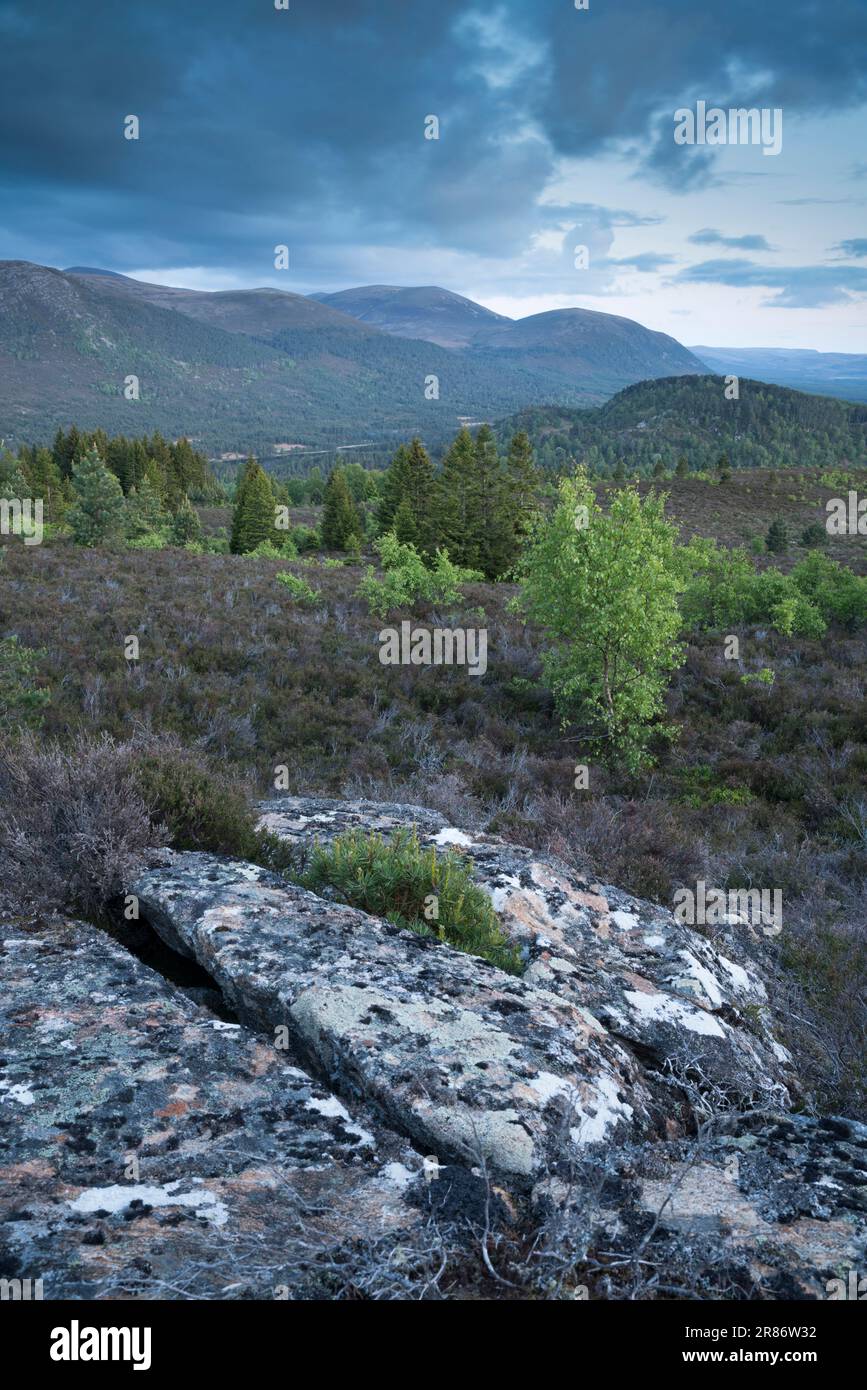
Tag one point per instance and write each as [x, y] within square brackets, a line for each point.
[825, 373]
[578, 344]
[266, 369]
[427, 312]
[601, 352]
[233, 371]
[661, 421]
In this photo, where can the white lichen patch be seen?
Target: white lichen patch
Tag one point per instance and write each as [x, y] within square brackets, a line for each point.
[117, 1198]
[18, 1092]
[502, 892]
[547, 1085]
[624, 921]
[330, 1107]
[654, 941]
[742, 980]
[450, 836]
[663, 1009]
[599, 1111]
[397, 1175]
[709, 985]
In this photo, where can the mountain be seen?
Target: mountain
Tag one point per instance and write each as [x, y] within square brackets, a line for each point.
[427, 312]
[826, 373]
[579, 343]
[91, 270]
[234, 371]
[661, 421]
[600, 351]
[276, 372]
[260, 313]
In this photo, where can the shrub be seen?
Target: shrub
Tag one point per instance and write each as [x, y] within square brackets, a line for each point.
[764, 677]
[21, 700]
[725, 590]
[406, 578]
[813, 535]
[777, 538]
[73, 832]
[406, 884]
[200, 807]
[305, 538]
[299, 589]
[148, 540]
[838, 594]
[267, 550]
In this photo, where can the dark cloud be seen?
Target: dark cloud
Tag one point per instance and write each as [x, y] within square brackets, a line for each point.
[854, 248]
[750, 242]
[797, 287]
[305, 126]
[646, 262]
[619, 71]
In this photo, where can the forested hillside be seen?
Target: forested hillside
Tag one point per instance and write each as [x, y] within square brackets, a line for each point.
[656, 424]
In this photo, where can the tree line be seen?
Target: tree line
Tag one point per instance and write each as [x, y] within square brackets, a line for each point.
[170, 471]
[477, 506]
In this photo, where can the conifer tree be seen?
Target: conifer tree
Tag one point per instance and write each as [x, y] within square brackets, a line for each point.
[119, 458]
[522, 481]
[340, 518]
[418, 491]
[97, 514]
[143, 511]
[186, 526]
[67, 450]
[43, 480]
[315, 487]
[12, 480]
[491, 519]
[253, 515]
[404, 526]
[391, 492]
[456, 502]
[682, 469]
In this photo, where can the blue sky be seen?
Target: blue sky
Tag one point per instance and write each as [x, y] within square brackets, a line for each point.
[305, 127]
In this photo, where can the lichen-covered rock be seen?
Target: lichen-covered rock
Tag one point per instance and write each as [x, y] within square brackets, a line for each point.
[691, 1013]
[149, 1149]
[465, 1059]
[153, 1148]
[769, 1207]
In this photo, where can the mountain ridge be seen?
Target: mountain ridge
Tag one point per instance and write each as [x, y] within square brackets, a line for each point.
[254, 369]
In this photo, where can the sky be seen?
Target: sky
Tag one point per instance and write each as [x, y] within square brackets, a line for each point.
[305, 127]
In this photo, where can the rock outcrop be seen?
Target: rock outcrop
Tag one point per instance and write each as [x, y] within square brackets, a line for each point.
[149, 1149]
[365, 1089]
[687, 1011]
[467, 1060]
